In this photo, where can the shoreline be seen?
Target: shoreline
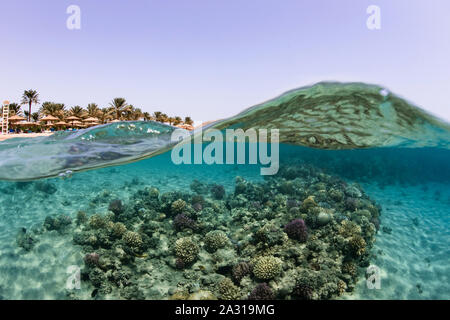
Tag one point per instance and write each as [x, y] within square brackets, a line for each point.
[4, 137]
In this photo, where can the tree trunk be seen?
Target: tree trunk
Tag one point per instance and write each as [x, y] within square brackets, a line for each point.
[29, 111]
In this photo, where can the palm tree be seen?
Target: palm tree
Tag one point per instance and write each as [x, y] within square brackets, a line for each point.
[35, 116]
[171, 120]
[147, 116]
[53, 109]
[77, 111]
[93, 110]
[119, 105]
[105, 114]
[160, 117]
[188, 121]
[132, 113]
[157, 116]
[177, 121]
[14, 109]
[29, 97]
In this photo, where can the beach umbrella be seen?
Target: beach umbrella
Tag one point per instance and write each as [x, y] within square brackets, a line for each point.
[17, 118]
[27, 123]
[72, 118]
[77, 123]
[91, 119]
[49, 118]
[61, 123]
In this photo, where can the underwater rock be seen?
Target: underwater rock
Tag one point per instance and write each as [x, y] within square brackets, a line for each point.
[25, 240]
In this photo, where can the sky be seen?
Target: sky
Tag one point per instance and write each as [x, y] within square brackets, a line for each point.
[210, 59]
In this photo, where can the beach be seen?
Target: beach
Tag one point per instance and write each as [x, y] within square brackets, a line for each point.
[4, 137]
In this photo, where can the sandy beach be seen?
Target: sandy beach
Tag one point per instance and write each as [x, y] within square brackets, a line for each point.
[4, 137]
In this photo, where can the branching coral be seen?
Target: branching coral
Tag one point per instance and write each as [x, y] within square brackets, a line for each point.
[296, 229]
[178, 206]
[132, 239]
[215, 240]
[227, 290]
[186, 250]
[118, 229]
[181, 221]
[267, 267]
[240, 270]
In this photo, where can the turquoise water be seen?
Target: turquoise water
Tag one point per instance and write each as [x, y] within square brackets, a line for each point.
[151, 229]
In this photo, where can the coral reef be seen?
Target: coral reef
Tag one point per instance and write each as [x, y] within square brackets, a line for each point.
[302, 234]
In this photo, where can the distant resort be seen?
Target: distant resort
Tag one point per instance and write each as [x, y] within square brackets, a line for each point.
[53, 116]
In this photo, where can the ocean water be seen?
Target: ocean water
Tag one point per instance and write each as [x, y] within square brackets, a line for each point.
[350, 155]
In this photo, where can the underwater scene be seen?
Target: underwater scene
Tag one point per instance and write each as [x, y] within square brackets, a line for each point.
[357, 207]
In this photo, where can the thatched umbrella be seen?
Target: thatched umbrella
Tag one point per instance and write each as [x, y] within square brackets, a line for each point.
[91, 124]
[49, 119]
[17, 118]
[61, 124]
[27, 123]
[77, 123]
[72, 118]
[91, 119]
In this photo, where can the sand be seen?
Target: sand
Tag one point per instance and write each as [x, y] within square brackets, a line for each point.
[4, 137]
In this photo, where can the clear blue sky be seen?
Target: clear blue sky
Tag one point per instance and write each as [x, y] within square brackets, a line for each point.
[212, 58]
